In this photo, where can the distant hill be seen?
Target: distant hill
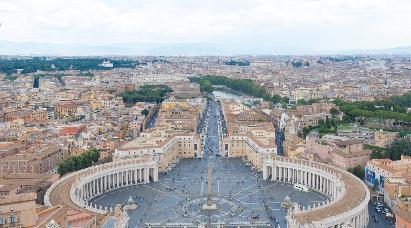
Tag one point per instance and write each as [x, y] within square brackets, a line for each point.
[36, 48]
[388, 51]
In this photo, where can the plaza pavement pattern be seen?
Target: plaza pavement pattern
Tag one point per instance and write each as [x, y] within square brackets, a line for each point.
[162, 201]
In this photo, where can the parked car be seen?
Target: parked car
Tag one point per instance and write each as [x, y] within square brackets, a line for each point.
[389, 215]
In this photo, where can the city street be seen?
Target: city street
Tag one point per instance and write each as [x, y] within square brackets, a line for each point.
[381, 221]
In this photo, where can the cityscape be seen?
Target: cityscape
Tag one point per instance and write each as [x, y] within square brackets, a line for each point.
[193, 135]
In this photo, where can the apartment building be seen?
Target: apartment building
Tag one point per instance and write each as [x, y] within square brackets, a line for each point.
[384, 138]
[18, 210]
[378, 170]
[173, 136]
[38, 158]
[340, 151]
[26, 115]
[250, 134]
[395, 189]
[403, 214]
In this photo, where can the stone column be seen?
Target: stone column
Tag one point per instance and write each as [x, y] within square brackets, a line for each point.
[156, 173]
[265, 172]
[101, 185]
[127, 176]
[146, 175]
[321, 184]
[109, 180]
[88, 190]
[91, 189]
[304, 178]
[118, 179]
[139, 175]
[135, 176]
[330, 188]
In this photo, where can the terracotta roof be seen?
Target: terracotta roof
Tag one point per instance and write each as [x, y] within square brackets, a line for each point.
[72, 130]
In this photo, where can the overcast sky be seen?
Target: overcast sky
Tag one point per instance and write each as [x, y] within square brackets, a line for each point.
[316, 24]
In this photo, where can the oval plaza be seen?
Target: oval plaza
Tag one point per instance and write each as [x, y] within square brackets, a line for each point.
[212, 164]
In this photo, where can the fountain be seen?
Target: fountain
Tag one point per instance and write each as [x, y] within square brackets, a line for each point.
[130, 204]
[287, 204]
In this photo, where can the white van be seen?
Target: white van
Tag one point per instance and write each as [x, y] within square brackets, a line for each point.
[301, 187]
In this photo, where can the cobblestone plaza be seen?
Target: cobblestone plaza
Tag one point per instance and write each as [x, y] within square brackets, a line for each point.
[173, 198]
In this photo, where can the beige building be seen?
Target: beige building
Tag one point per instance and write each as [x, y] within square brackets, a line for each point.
[166, 148]
[173, 137]
[38, 158]
[316, 108]
[395, 189]
[26, 115]
[310, 115]
[294, 147]
[384, 138]
[186, 90]
[340, 151]
[250, 134]
[306, 93]
[18, 210]
[403, 214]
[379, 170]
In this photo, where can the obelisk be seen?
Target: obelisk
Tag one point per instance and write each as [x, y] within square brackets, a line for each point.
[209, 179]
[209, 205]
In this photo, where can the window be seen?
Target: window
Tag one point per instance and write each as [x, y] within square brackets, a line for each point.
[1, 221]
[195, 146]
[13, 219]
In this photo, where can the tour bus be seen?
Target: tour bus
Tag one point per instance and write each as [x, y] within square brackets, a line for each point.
[301, 187]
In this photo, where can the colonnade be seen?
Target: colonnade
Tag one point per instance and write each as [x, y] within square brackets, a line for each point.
[320, 181]
[98, 180]
[103, 183]
[327, 180]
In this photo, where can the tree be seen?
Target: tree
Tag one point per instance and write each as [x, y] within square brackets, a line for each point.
[334, 112]
[357, 170]
[397, 148]
[394, 108]
[147, 93]
[297, 64]
[145, 112]
[74, 163]
[206, 86]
